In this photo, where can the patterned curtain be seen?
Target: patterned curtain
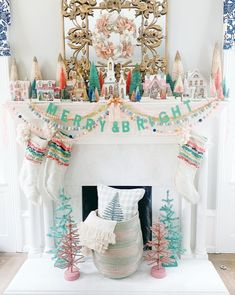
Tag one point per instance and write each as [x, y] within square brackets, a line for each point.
[5, 21]
[229, 24]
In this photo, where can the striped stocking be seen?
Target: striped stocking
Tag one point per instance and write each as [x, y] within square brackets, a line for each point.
[29, 175]
[57, 161]
[190, 157]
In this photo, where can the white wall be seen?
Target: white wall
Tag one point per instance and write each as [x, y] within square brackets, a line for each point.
[36, 30]
[194, 27]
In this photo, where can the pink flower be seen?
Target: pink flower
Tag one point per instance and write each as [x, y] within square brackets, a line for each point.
[124, 24]
[105, 51]
[102, 25]
[130, 26]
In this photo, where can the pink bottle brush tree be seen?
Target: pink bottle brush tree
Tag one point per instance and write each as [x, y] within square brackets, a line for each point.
[69, 252]
[159, 252]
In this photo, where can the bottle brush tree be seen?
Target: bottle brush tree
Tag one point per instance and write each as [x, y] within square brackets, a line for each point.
[170, 82]
[128, 82]
[160, 253]
[69, 252]
[136, 81]
[94, 81]
[171, 221]
[62, 215]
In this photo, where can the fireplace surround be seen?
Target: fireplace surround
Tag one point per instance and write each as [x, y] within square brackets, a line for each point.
[128, 160]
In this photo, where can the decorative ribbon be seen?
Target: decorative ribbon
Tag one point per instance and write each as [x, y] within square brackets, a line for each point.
[115, 101]
[114, 108]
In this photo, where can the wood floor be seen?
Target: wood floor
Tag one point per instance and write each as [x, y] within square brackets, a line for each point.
[9, 265]
[224, 264]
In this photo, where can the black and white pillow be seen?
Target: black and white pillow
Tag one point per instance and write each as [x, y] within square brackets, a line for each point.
[118, 204]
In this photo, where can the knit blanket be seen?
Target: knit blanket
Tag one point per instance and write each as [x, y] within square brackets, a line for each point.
[96, 233]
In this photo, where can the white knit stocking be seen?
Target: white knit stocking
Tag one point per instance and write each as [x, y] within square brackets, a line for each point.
[29, 174]
[57, 162]
[190, 157]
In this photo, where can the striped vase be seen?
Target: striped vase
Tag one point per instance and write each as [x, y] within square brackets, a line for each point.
[122, 259]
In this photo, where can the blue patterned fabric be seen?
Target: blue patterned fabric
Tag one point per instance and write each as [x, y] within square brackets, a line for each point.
[5, 21]
[229, 24]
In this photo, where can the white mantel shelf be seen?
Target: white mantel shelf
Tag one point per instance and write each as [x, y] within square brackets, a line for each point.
[38, 276]
[79, 105]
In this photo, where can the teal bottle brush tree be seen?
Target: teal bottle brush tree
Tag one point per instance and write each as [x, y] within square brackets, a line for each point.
[66, 253]
[171, 221]
[94, 82]
[61, 216]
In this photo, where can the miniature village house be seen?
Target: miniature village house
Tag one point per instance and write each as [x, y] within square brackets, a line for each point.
[154, 88]
[111, 86]
[77, 88]
[46, 89]
[19, 90]
[197, 84]
[110, 80]
[122, 86]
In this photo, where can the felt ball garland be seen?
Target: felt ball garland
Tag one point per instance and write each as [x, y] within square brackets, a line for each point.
[174, 126]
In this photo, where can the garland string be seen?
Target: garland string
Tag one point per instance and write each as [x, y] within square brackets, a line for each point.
[178, 124]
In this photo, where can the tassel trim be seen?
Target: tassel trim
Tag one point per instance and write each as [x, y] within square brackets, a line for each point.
[95, 239]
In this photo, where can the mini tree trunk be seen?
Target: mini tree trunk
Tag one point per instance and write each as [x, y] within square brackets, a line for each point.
[158, 271]
[72, 274]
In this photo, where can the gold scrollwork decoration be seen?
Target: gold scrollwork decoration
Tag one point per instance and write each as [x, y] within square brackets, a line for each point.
[153, 65]
[151, 34]
[75, 8]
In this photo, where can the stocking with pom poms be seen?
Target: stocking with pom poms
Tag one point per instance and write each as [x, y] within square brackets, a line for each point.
[57, 162]
[35, 152]
[189, 161]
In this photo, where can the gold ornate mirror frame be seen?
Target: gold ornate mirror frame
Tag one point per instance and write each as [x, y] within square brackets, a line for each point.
[150, 33]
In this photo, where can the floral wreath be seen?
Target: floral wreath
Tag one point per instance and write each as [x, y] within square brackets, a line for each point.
[114, 23]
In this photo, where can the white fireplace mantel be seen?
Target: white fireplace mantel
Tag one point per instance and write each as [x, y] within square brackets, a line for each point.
[153, 148]
[151, 153]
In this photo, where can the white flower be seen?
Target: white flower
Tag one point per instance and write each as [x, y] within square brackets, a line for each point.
[113, 17]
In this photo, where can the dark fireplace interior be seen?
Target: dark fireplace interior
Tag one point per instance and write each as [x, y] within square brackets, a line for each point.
[90, 202]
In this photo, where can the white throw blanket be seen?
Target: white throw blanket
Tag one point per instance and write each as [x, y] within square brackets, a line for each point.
[96, 233]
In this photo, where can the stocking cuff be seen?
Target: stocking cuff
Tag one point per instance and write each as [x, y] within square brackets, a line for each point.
[60, 149]
[192, 152]
[198, 139]
[36, 149]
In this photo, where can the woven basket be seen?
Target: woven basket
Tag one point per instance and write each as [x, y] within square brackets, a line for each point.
[122, 259]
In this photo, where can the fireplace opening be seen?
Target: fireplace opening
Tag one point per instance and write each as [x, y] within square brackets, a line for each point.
[90, 203]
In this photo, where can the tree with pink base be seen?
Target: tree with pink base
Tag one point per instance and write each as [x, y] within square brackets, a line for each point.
[159, 253]
[69, 252]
